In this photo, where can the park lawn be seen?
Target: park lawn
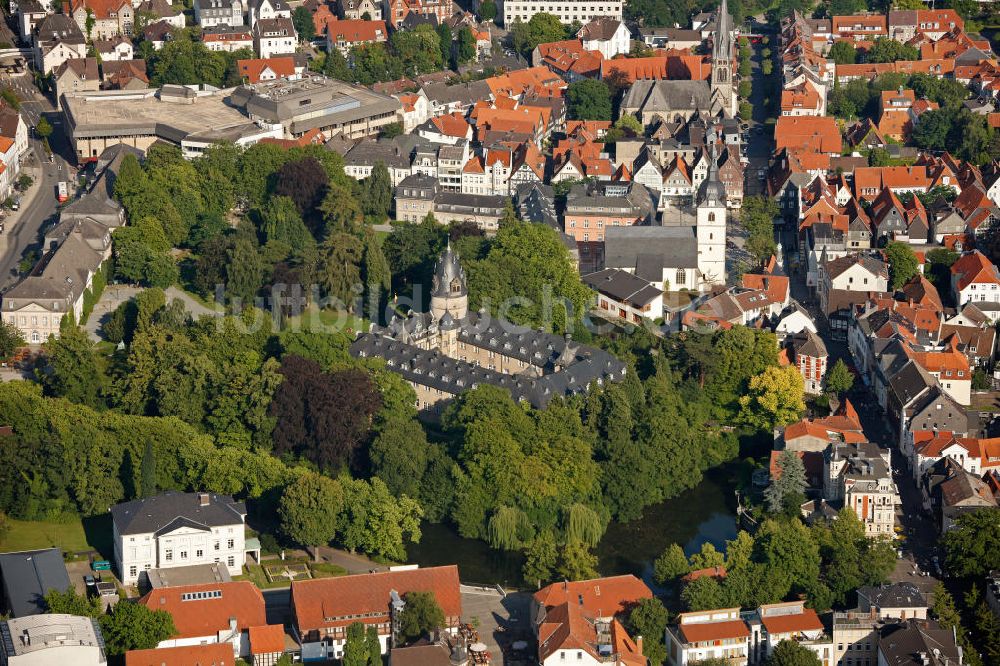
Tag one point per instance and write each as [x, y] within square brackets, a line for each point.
[73, 535]
[325, 319]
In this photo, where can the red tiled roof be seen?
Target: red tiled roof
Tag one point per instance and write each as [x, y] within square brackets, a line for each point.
[714, 631]
[809, 133]
[213, 654]
[787, 624]
[602, 597]
[452, 124]
[253, 68]
[974, 267]
[356, 31]
[205, 617]
[267, 638]
[333, 602]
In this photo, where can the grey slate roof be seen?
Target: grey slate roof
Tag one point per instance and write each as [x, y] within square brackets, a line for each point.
[897, 595]
[169, 510]
[28, 575]
[676, 247]
[622, 286]
[368, 153]
[917, 643]
[466, 94]
[570, 367]
[807, 343]
[668, 95]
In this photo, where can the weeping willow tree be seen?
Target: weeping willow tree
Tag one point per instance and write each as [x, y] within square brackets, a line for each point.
[508, 529]
[582, 524]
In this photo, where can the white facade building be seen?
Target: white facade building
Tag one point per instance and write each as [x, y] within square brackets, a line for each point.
[566, 12]
[176, 530]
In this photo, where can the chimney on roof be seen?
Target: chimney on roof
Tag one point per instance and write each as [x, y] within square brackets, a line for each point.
[638, 644]
[203, 499]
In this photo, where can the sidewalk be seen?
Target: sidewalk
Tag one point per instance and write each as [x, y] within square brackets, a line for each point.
[13, 218]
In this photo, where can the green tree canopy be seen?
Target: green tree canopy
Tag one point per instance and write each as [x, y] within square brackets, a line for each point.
[309, 509]
[588, 99]
[903, 263]
[839, 379]
[889, 50]
[775, 398]
[973, 545]
[133, 626]
[421, 616]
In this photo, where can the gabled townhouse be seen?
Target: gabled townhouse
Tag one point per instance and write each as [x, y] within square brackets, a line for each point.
[266, 9]
[274, 36]
[859, 477]
[58, 38]
[116, 48]
[178, 529]
[607, 35]
[161, 10]
[569, 59]
[488, 173]
[576, 621]
[809, 356]
[416, 110]
[76, 75]
[110, 17]
[446, 129]
[216, 13]
[859, 273]
[949, 492]
[625, 296]
[322, 609]
[257, 70]
[529, 166]
[124, 75]
[158, 33]
[975, 279]
[950, 367]
[974, 455]
[220, 612]
[29, 14]
[804, 99]
[930, 23]
[973, 334]
[363, 10]
[815, 435]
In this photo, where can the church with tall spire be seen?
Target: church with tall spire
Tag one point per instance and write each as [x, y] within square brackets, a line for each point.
[723, 61]
[678, 100]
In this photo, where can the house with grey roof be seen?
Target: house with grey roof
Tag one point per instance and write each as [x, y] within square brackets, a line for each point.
[57, 39]
[625, 297]
[918, 643]
[894, 600]
[28, 576]
[177, 530]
